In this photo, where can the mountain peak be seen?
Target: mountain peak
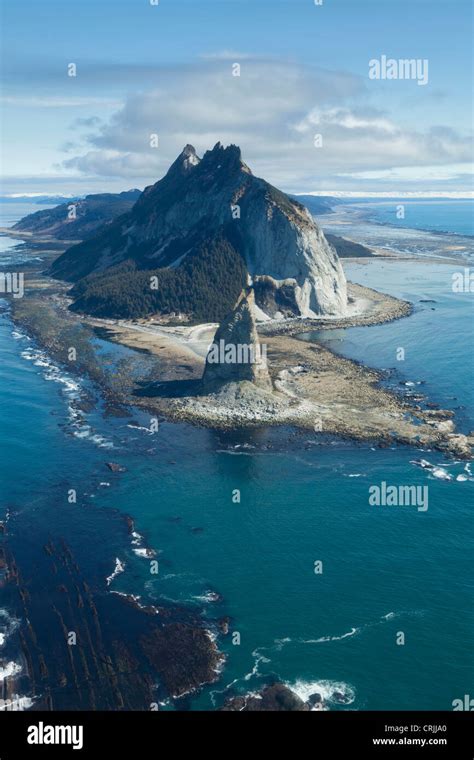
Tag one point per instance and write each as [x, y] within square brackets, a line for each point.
[186, 160]
[229, 157]
[231, 150]
[188, 151]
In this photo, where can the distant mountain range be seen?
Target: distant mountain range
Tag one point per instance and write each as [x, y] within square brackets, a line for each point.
[317, 204]
[38, 199]
[77, 219]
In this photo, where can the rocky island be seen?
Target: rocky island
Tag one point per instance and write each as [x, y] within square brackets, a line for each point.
[213, 266]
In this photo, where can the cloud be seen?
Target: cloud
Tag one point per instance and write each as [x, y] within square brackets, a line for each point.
[69, 146]
[111, 163]
[62, 184]
[342, 117]
[411, 174]
[92, 121]
[273, 111]
[227, 55]
[59, 101]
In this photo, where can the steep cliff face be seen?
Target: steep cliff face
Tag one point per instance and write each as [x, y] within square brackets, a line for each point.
[281, 240]
[236, 353]
[200, 199]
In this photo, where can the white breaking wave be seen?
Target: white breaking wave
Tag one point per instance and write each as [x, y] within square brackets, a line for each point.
[119, 568]
[139, 549]
[280, 643]
[134, 597]
[232, 452]
[440, 472]
[72, 391]
[85, 431]
[215, 692]
[209, 597]
[9, 669]
[259, 658]
[18, 335]
[137, 538]
[141, 427]
[7, 626]
[142, 552]
[332, 692]
[16, 703]
[352, 632]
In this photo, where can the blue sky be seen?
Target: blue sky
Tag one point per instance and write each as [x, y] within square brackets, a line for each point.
[167, 70]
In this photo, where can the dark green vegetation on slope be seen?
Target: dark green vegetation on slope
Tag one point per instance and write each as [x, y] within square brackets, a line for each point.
[205, 286]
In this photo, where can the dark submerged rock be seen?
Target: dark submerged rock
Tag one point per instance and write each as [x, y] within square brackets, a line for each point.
[274, 698]
[116, 467]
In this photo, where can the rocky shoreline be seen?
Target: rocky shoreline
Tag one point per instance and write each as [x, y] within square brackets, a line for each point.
[273, 698]
[384, 308]
[313, 388]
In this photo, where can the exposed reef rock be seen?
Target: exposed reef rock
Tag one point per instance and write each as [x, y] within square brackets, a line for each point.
[125, 659]
[184, 656]
[274, 698]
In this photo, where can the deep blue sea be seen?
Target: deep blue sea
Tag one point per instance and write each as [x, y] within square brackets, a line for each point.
[386, 570]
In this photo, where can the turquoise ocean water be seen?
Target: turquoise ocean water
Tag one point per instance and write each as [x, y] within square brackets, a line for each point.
[455, 216]
[386, 570]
